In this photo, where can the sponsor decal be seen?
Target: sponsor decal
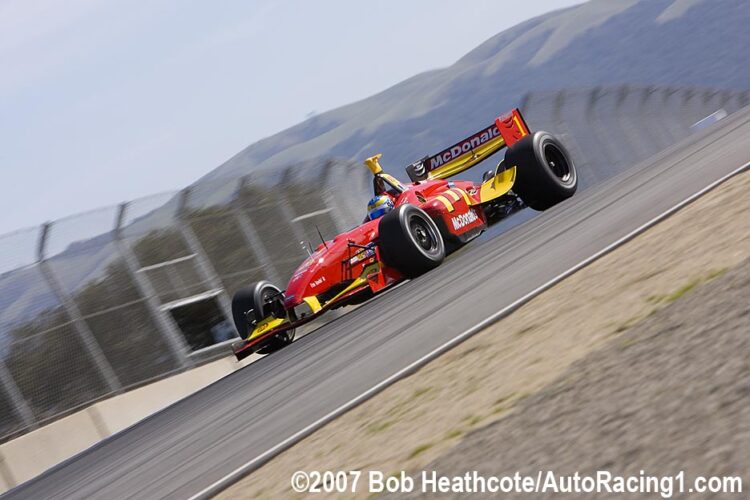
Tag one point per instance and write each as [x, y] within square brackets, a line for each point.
[418, 171]
[318, 282]
[463, 220]
[418, 167]
[480, 138]
[262, 327]
[362, 256]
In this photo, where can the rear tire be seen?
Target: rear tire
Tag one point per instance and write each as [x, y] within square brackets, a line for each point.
[545, 174]
[410, 241]
[264, 299]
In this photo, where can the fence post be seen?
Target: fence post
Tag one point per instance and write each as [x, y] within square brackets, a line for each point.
[333, 207]
[604, 141]
[626, 125]
[691, 116]
[709, 94]
[287, 212]
[79, 324]
[675, 128]
[561, 127]
[358, 190]
[251, 235]
[164, 323]
[205, 267]
[661, 141]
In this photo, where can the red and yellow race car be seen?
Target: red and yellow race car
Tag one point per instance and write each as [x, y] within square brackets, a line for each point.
[410, 228]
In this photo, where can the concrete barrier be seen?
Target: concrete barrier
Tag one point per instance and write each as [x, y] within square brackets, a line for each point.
[6, 478]
[37, 451]
[122, 411]
[31, 454]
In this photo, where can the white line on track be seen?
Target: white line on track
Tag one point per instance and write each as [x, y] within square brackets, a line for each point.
[256, 462]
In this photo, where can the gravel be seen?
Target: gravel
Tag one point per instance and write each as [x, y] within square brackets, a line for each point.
[669, 394]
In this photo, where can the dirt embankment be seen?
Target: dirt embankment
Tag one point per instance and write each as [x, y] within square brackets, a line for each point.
[670, 394]
[492, 376]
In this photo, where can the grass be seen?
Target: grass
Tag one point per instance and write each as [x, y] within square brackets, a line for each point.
[400, 408]
[453, 434]
[377, 427]
[661, 300]
[500, 409]
[647, 276]
[527, 329]
[681, 291]
[420, 449]
[685, 288]
[628, 324]
[505, 404]
[629, 342]
[477, 349]
[504, 399]
[473, 387]
[420, 392]
[473, 419]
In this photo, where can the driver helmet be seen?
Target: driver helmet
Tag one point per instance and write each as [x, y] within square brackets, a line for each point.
[379, 206]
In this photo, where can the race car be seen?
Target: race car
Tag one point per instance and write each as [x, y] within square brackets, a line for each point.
[410, 228]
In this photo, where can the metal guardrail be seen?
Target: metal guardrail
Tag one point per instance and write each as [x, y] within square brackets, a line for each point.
[98, 303]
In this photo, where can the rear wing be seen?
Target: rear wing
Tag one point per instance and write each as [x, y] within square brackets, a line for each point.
[505, 132]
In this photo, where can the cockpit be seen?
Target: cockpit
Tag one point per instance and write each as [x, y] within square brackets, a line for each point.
[386, 184]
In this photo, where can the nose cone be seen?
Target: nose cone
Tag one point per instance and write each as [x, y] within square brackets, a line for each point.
[314, 276]
[324, 268]
[299, 285]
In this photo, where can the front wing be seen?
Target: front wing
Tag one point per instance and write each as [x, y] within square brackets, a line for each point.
[372, 277]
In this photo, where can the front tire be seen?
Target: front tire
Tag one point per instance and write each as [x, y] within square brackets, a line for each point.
[409, 241]
[265, 300]
[545, 174]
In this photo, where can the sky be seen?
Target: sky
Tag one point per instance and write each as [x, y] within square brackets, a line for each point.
[103, 101]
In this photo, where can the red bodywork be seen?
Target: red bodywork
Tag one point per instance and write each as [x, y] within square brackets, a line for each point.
[332, 264]
[343, 259]
[455, 206]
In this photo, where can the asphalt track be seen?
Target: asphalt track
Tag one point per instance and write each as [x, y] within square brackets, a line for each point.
[189, 446]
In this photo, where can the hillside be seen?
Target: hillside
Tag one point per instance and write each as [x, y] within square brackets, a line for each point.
[618, 80]
[602, 42]
[679, 43]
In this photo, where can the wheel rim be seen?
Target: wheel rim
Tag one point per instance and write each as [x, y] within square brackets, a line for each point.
[265, 295]
[424, 234]
[557, 162]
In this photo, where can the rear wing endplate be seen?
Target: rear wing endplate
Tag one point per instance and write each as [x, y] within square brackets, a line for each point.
[506, 131]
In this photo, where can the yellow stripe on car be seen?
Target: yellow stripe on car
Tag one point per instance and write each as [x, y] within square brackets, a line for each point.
[453, 195]
[446, 202]
[468, 159]
[313, 303]
[266, 325]
[521, 128]
[466, 196]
